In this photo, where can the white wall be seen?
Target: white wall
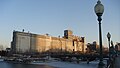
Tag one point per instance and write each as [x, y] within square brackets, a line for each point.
[48, 43]
[23, 43]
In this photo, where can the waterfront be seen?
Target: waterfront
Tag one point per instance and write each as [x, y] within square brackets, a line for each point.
[4, 64]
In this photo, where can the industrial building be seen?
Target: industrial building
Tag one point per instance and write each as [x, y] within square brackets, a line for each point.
[28, 42]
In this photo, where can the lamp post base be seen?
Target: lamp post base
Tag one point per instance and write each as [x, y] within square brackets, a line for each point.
[101, 65]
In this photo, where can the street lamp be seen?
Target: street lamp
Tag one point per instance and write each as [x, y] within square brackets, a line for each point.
[99, 9]
[109, 36]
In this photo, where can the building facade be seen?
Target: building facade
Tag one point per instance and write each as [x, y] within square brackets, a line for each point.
[1, 47]
[92, 47]
[117, 47]
[28, 42]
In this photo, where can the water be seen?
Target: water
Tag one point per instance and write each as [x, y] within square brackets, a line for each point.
[13, 65]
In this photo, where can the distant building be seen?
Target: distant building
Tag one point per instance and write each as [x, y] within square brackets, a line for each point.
[1, 47]
[28, 42]
[91, 47]
[117, 47]
[8, 49]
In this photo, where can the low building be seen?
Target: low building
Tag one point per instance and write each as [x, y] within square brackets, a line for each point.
[28, 42]
[91, 47]
[1, 47]
[117, 47]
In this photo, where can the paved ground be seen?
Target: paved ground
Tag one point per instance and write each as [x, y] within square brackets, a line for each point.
[117, 62]
[59, 64]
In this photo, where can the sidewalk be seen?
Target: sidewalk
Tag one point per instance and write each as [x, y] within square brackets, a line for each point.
[60, 64]
[117, 62]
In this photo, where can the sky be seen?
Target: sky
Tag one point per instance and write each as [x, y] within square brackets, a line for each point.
[55, 16]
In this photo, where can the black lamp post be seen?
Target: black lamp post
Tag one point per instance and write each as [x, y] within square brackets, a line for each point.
[99, 9]
[109, 36]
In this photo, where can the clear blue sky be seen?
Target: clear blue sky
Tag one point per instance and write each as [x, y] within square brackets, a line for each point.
[54, 16]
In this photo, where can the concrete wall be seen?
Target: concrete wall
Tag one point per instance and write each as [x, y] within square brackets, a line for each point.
[22, 43]
[28, 42]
